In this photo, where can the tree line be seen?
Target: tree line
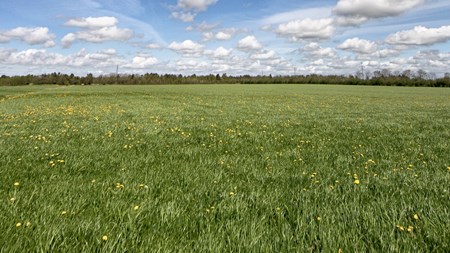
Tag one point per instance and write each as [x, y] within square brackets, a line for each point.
[377, 78]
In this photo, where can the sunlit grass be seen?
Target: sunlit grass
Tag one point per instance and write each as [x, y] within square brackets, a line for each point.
[268, 168]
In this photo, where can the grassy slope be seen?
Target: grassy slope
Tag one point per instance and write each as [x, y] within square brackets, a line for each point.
[225, 168]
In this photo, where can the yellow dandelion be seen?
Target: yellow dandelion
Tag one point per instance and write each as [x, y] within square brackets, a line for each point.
[232, 194]
[28, 224]
[410, 229]
[16, 184]
[356, 181]
[416, 216]
[318, 218]
[105, 238]
[401, 228]
[12, 199]
[135, 208]
[63, 212]
[18, 224]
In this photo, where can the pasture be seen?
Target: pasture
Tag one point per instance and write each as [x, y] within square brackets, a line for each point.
[224, 168]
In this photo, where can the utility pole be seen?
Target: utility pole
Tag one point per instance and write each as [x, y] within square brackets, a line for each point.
[117, 74]
[362, 71]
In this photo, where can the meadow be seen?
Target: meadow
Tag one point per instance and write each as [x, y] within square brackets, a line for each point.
[224, 168]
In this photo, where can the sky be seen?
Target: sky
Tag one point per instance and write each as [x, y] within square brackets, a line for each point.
[233, 37]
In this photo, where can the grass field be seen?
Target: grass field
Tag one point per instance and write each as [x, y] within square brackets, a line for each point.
[216, 168]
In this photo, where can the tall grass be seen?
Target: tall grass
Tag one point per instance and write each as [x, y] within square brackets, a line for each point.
[268, 168]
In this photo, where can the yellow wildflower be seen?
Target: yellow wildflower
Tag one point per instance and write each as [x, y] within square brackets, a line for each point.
[356, 181]
[232, 194]
[318, 218]
[410, 229]
[135, 208]
[105, 238]
[16, 184]
[28, 224]
[18, 224]
[416, 216]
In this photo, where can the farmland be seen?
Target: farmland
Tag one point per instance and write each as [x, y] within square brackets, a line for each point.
[224, 168]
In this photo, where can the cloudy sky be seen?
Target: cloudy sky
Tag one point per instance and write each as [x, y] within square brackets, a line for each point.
[236, 37]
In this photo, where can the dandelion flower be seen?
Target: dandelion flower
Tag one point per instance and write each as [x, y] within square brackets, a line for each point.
[416, 216]
[18, 224]
[232, 194]
[135, 208]
[16, 184]
[410, 229]
[28, 224]
[356, 181]
[63, 212]
[401, 228]
[12, 199]
[105, 238]
[318, 218]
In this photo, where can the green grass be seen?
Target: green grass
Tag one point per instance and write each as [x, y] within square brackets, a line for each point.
[216, 168]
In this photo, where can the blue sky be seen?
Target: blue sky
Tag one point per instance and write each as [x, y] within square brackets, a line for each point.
[278, 37]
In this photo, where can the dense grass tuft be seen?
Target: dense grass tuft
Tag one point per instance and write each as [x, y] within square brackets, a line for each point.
[267, 168]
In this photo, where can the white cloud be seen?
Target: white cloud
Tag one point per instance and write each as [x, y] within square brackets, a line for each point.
[92, 22]
[29, 35]
[153, 46]
[420, 35]
[315, 50]
[142, 62]
[284, 17]
[360, 46]
[249, 43]
[186, 10]
[197, 5]
[361, 10]
[266, 55]
[385, 53]
[224, 35]
[307, 29]
[222, 52]
[187, 47]
[96, 30]
[184, 16]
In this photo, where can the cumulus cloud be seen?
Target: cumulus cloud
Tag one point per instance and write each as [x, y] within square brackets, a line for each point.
[197, 5]
[142, 62]
[184, 16]
[225, 34]
[249, 43]
[385, 53]
[222, 52]
[359, 46]
[315, 50]
[420, 35]
[82, 59]
[92, 22]
[96, 30]
[359, 11]
[265, 55]
[186, 10]
[187, 47]
[29, 35]
[304, 29]
[153, 46]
